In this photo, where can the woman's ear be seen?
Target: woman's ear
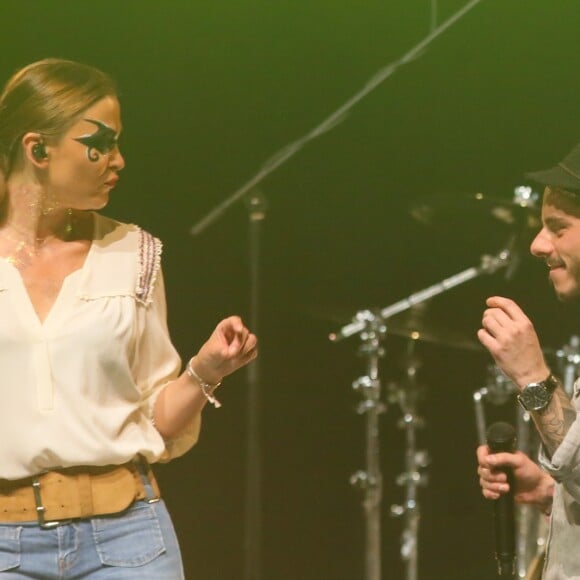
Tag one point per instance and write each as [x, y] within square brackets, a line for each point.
[34, 149]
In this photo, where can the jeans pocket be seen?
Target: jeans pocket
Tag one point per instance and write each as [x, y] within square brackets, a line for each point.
[131, 539]
[9, 547]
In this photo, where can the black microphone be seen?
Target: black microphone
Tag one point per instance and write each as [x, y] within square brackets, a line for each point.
[501, 437]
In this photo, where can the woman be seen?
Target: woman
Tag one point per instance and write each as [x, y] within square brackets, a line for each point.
[91, 386]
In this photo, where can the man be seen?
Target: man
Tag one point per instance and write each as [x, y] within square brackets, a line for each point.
[512, 341]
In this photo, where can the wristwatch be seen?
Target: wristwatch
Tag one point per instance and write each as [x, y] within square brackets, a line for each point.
[536, 396]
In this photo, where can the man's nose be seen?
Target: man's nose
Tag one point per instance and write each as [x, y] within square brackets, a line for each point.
[541, 245]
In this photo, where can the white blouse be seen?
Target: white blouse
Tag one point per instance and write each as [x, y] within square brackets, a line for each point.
[79, 389]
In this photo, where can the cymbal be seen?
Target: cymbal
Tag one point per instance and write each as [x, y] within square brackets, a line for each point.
[442, 336]
[434, 334]
[441, 209]
[418, 324]
[412, 325]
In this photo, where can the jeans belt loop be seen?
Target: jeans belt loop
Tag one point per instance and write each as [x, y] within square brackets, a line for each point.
[143, 468]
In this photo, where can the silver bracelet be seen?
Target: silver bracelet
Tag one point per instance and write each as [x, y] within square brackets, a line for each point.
[206, 388]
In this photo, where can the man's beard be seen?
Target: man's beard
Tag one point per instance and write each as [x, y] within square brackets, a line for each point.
[573, 270]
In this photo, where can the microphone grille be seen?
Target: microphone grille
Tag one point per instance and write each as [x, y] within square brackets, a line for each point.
[501, 436]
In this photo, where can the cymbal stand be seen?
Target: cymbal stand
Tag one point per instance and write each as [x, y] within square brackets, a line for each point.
[488, 265]
[415, 459]
[371, 328]
[370, 480]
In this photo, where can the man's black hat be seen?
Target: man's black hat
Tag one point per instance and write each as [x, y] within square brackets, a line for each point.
[564, 175]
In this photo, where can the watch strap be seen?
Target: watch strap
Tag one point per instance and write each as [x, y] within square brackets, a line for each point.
[550, 384]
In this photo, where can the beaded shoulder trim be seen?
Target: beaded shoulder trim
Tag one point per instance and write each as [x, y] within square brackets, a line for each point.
[150, 249]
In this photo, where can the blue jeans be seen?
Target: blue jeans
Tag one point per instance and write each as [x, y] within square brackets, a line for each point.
[139, 544]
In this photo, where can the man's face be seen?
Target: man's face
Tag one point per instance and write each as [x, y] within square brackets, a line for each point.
[558, 243]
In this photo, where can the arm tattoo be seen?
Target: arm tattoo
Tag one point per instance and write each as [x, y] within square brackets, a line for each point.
[554, 422]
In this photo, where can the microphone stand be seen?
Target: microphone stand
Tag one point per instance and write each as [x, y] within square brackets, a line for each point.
[372, 329]
[256, 205]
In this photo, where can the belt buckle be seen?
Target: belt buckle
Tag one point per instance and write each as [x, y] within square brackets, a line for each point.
[40, 509]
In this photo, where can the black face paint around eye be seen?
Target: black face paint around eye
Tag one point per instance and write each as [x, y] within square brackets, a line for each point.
[99, 143]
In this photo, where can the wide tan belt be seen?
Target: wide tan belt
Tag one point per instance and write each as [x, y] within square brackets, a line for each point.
[76, 492]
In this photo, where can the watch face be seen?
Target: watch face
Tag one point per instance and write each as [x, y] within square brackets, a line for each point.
[535, 397]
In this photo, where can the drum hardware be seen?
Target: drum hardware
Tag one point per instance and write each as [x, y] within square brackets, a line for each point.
[488, 265]
[497, 391]
[414, 325]
[480, 415]
[521, 210]
[569, 359]
[520, 216]
[531, 527]
[434, 332]
[370, 480]
[525, 196]
[531, 524]
[415, 460]
[517, 217]
[372, 329]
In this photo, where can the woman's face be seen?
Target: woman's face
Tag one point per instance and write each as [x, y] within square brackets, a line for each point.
[83, 165]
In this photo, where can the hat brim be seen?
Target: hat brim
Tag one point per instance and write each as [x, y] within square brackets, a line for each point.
[556, 177]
